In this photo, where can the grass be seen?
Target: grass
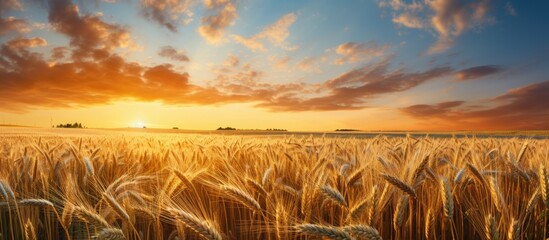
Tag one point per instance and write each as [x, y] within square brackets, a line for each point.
[169, 186]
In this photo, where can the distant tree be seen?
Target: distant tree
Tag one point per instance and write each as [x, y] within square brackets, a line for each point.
[175, 128]
[70, 125]
[226, 128]
[346, 130]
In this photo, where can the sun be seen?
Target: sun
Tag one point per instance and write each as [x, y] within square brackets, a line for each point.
[139, 124]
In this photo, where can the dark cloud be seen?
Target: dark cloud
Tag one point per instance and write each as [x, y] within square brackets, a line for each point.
[478, 72]
[6, 5]
[443, 109]
[353, 88]
[518, 109]
[167, 13]
[87, 33]
[173, 54]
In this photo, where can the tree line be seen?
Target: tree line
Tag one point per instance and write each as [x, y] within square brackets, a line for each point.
[70, 125]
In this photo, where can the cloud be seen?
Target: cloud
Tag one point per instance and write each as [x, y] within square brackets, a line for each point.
[509, 9]
[444, 109]
[168, 13]
[307, 64]
[252, 43]
[88, 34]
[12, 24]
[448, 18]
[478, 72]
[352, 89]
[521, 108]
[408, 20]
[173, 54]
[231, 61]
[276, 33]
[94, 74]
[58, 53]
[213, 26]
[6, 5]
[28, 81]
[353, 52]
[26, 43]
[280, 63]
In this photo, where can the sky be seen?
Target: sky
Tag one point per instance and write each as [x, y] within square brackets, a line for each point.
[312, 65]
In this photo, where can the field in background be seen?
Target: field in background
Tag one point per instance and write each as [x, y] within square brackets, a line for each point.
[105, 184]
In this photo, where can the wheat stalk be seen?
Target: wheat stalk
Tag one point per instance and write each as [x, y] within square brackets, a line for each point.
[429, 222]
[366, 232]
[89, 166]
[401, 211]
[491, 229]
[266, 176]
[243, 197]
[66, 217]
[476, 173]
[514, 230]
[201, 227]
[256, 186]
[334, 195]
[459, 176]
[110, 234]
[6, 190]
[544, 185]
[116, 207]
[358, 209]
[87, 216]
[36, 203]
[323, 231]
[447, 199]
[400, 185]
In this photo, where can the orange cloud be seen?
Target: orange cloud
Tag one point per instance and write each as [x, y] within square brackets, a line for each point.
[308, 64]
[522, 108]
[352, 52]
[478, 72]
[276, 33]
[231, 61]
[352, 89]
[26, 42]
[168, 13]
[408, 20]
[12, 24]
[213, 26]
[280, 63]
[28, 81]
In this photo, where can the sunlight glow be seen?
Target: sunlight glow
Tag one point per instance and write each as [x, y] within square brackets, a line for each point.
[139, 124]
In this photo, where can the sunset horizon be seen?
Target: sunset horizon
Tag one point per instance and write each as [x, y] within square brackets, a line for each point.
[373, 65]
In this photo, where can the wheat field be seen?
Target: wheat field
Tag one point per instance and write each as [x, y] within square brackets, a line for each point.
[174, 186]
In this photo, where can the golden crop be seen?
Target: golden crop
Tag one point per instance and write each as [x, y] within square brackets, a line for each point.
[169, 186]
